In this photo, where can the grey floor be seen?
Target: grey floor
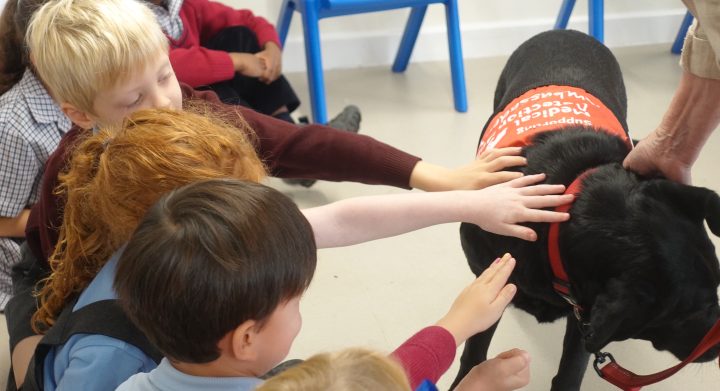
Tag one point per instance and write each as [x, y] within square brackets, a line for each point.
[377, 294]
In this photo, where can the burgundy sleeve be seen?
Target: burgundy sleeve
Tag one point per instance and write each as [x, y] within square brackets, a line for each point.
[43, 227]
[426, 355]
[320, 152]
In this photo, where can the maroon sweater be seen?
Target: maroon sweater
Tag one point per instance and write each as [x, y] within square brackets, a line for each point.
[288, 151]
[427, 355]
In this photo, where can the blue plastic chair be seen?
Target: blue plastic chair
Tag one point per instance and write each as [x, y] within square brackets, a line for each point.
[596, 17]
[596, 10]
[312, 11]
[680, 38]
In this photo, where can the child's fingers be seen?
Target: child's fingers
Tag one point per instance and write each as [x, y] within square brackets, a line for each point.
[489, 273]
[498, 279]
[547, 201]
[543, 216]
[527, 180]
[540, 190]
[520, 232]
[511, 353]
[498, 288]
[502, 177]
[495, 153]
[504, 297]
[514, 361]
[503, 162]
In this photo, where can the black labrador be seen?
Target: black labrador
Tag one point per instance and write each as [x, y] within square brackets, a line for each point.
[636, 250]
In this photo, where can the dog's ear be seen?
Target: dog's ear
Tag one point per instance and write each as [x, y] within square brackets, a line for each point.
[618, 313]
[697, 202]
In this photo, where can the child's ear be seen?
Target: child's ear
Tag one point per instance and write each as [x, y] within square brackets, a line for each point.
[243, 341]
[79, 117]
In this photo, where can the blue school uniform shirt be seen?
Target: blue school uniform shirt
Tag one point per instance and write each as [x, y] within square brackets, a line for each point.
[166, 378]
[94, 362]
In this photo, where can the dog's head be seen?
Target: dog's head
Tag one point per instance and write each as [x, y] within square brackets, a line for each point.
[648, 266]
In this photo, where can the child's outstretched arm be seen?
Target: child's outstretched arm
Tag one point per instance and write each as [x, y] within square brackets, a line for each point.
[429, 353]
[498, 209]
[486, 170]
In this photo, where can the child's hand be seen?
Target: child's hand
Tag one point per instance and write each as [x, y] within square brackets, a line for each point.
[508, 371]
[272, 58]
[486, 170]
[481, 303]
[507, 204]
[248, 64]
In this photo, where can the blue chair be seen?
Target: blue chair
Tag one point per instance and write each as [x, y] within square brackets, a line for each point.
[313, 10]
[596, 21]
[680, 38]
[596, 11]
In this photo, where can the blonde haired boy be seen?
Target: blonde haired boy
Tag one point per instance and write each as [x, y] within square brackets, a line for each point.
[102, 60]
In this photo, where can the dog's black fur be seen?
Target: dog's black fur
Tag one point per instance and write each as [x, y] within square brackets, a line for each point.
[635, 249]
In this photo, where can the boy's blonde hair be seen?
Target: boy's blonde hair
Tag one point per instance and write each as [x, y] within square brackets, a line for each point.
[353, 369]
[82, 47]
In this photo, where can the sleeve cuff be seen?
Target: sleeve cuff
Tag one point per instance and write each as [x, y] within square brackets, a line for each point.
[400, 165]
[698, 56]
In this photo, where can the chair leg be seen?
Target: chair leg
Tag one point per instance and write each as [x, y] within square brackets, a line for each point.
[283, 23]
[457, 70]
[596, 19]
[313, 58]
[412, 28]
[564, 15]
[680, 39]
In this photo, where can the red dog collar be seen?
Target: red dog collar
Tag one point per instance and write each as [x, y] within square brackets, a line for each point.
[561, 282]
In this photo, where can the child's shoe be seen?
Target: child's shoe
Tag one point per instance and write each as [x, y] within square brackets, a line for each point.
[348, 120]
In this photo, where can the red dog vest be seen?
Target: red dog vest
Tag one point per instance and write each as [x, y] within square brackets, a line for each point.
[544, 109]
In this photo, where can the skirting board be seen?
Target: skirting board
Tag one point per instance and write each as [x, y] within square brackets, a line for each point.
[345, 50]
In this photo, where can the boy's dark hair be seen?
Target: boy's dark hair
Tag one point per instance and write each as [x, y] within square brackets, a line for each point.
[208, 257]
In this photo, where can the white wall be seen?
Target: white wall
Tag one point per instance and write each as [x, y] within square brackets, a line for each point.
[489, 28]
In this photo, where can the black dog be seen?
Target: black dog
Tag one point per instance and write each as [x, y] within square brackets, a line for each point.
[635, 249]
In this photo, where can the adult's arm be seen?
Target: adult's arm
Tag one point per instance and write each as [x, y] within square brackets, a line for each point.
[675, 145]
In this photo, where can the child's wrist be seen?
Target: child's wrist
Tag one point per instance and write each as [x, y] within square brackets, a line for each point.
[453, 327]
[424, 177]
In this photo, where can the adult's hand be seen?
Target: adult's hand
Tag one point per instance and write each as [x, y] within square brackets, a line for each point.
[675, 145]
